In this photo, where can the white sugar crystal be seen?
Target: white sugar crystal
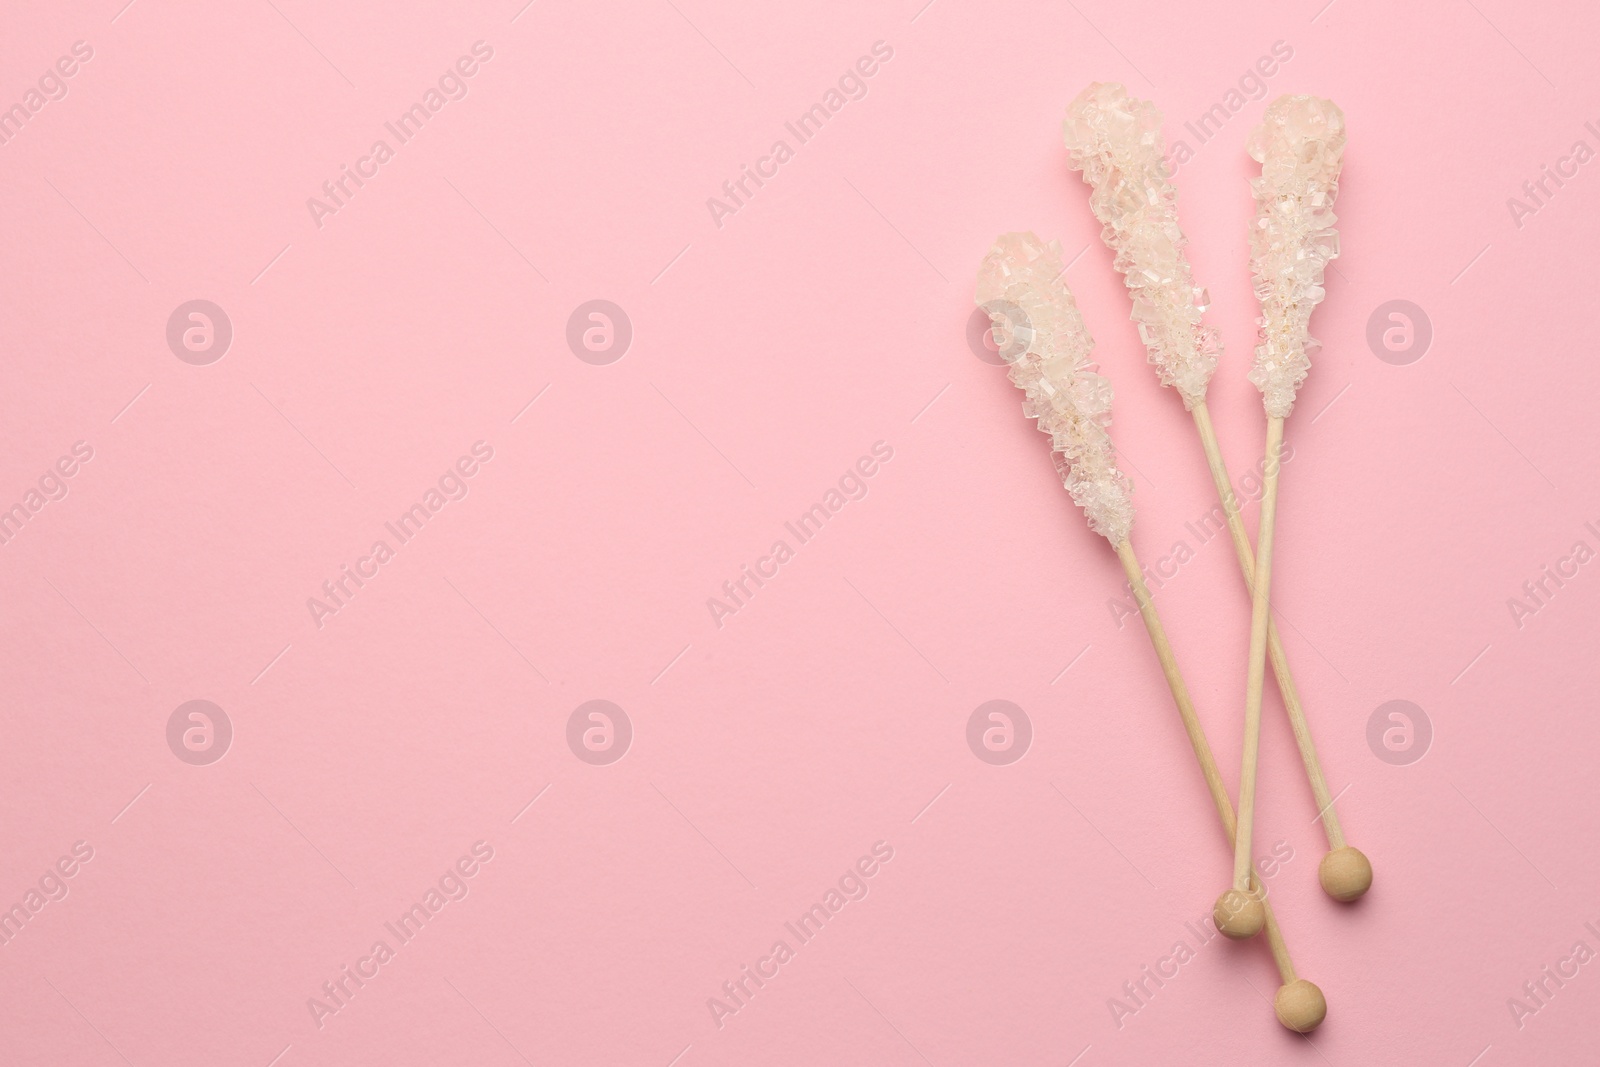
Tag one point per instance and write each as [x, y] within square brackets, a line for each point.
[1047, 349]
[1115, 141]
[1300, 146]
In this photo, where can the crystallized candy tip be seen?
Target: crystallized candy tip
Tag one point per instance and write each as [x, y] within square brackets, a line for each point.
[1047, 348]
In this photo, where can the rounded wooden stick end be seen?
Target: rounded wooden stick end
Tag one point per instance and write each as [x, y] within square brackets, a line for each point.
[1300, 1006]
[1345, 874]
[1239, 915]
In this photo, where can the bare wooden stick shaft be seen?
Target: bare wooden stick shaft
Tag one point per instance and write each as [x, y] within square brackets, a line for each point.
[1275, 653]
[1256, 665]
[1197, 741]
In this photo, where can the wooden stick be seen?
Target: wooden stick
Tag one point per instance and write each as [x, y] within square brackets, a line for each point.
[1256, 668]
[1299, 1004]
[1353, 873]
[1280, 663]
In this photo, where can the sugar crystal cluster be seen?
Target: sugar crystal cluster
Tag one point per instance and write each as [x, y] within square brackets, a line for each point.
[1047, 348]
[1115, 141]
[1300, 146]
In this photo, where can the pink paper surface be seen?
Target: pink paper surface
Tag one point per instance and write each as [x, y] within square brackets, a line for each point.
[410, 337]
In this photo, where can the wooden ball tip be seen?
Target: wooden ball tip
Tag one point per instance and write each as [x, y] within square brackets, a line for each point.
[1300, 1006]
[1239, 915]
[1345, 874]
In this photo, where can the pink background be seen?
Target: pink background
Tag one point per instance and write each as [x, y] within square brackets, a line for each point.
[830, 712]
